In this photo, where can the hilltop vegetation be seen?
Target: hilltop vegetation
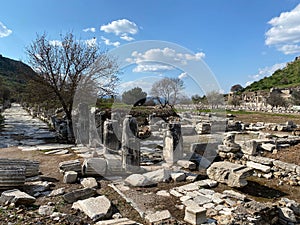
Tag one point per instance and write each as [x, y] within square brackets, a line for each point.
[14, 76]
[282, 78]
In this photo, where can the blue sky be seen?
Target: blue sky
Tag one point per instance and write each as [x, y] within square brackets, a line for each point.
[240, 41]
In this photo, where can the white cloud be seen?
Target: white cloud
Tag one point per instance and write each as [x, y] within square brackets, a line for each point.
[265, 72]
[55, 43]
[151, 67]
[145, 83]
[161, 59]
[91, 42]
[120, 27]
[285, 32]
[4, 31]
[183, 75]
[126, 37]
[108, 42]
[90, 29]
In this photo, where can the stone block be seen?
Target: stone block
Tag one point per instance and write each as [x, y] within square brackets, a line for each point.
[95, 208]
[258, 166]
[89, 182]
[268, 147]
[94, 167]
[70, 177]
[158, 217]
[186, 164]
[195, 215]
[158, 176]
[138, 180]
[234, 175]
[17, 197]
[79, 194]
[249, 147]
[234, 194]
[178, 177]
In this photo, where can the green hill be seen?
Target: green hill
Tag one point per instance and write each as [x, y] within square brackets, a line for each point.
[282, 78]
[14, 75]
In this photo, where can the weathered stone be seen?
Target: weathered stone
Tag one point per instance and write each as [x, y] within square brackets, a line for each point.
[173, 143]
[262, 160]
[89, 182]
[95, 208]
[203, 128]
[71, 165]
[94, 167]
[12, 177]
[249, 147]
[31, 167]
[158, 216]
[288, 167]
[138, 180]
[268, 147]
[207, 183]
[260, 167]
[79, 194]
[120, 221]
[46, 210]
[175, 193]
[158, 176]
[163, 193]
[233, 175]
[70, 177]
[178, 177]
[39, 186]
[186, 164]
[234, 194]
[17, 197]
[56, 192]
[195, 215]
[130, 144]
[287, 214]
[229, 141]
[201, 200]
[187, 187]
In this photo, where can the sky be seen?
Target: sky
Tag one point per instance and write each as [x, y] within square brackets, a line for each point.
[237, 41]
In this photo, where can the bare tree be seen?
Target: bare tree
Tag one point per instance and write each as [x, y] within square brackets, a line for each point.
[61, 65]
[215, 99]
[167, 90]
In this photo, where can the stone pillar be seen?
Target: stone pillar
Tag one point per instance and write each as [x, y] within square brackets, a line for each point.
[94, 139]
[110, 136]
[83, 125]
[173, 143]
[130, 143]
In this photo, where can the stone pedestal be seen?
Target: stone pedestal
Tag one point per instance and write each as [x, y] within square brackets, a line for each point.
[173, 143]
[195, 215]
[130, 143]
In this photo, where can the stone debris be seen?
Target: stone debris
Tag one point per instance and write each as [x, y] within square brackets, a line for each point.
[258, 166]
[96, 208]
[186, 164]
[46, 210]
[70, 177]
[17, 197]
[89, 182]
[178, 177]
[79, 194]
[158, 217]
[138, 180]
[71, 165]
[120, 221]
[234, 175]
[158, 176]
